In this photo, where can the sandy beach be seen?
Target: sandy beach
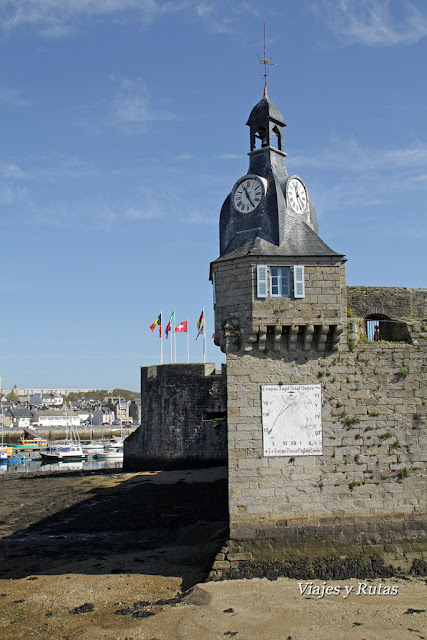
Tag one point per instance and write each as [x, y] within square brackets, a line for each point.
[135, 550]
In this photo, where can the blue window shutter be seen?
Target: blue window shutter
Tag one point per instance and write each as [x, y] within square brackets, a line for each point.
[261, 281]
[299, 289]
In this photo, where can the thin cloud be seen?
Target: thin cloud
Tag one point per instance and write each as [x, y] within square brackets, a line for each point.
[373, 22]
[12, 171]
[62, 18]
[229, 156]
[58, 18]
[49, 167]
[198, 218]
[131, 108]
[349, 155]
[14, 97]
[422, 179]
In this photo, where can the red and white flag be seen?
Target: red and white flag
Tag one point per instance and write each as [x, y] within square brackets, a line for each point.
[181, 327]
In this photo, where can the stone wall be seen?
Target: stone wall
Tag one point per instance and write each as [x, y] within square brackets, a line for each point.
[395, 302]
[242, 318]
[183, 418]
[370, 485]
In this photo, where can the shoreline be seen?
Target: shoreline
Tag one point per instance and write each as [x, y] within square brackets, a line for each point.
[142, 544]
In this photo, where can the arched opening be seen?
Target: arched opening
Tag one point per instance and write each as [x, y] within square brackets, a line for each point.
[381, 327]
[260, 138]
[276, 138]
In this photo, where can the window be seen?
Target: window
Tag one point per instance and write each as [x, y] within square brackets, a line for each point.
[280, 282]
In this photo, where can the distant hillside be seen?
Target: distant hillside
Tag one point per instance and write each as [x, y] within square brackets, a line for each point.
[101, 394]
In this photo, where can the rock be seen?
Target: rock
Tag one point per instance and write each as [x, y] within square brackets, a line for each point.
[83, 608]
[142, 614]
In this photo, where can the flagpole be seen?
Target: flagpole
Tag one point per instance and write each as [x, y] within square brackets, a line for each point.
[188, 343]
[171, 343]
[174, 336]
[161, 336]
[204, 336]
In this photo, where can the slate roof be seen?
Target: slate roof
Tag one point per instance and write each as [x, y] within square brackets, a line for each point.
[300, 240]
[264, 110]
[21, 412]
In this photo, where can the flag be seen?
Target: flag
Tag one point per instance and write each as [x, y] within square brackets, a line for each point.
[181, 328]
[157, 321]
[171, 319]
[201, 324]
[213, 336]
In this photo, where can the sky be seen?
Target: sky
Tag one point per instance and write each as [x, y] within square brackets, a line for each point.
[123, 131]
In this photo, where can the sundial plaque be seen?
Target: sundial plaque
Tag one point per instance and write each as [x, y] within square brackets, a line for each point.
[292, 419]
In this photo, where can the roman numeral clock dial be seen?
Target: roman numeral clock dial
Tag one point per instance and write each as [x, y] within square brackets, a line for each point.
[296, 195]
[248, 194]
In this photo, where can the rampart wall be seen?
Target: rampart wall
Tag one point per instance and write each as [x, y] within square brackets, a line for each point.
[183, 418]
[395, 302]
[367, 493]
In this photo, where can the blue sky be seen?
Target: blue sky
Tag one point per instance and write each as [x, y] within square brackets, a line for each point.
[123, 130]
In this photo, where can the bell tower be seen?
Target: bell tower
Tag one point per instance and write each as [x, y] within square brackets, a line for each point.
[278, 286]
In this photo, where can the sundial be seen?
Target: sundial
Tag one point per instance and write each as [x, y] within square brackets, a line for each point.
[292, 419]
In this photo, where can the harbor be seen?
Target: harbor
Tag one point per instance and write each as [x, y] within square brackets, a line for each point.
[37, 465]
[31, 452]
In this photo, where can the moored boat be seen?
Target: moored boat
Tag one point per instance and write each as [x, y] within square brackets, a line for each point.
[63, 451]
[31, 444]
[94, 447]
[111, 453]
[7, 449]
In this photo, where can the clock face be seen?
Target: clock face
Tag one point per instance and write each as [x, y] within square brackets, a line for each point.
[247, 195]
[296, 195]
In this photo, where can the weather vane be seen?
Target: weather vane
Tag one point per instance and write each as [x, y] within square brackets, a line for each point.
[265, 62]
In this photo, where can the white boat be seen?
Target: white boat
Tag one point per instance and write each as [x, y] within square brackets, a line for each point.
[70, 449]
[63, 451]
[93, 447]
[3, 456]
[111, 453]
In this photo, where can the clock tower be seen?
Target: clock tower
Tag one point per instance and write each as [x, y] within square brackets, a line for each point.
[280, 308]
[309, 404]
[278, 286]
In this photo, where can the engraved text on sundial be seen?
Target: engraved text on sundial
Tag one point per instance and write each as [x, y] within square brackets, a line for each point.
[292, 420]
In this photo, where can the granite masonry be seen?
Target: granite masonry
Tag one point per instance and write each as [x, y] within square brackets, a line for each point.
[183, 421]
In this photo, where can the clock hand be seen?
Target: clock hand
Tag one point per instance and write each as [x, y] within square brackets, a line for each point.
[248, 196]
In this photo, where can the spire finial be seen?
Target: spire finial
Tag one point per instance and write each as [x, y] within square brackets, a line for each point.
[265, 62]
